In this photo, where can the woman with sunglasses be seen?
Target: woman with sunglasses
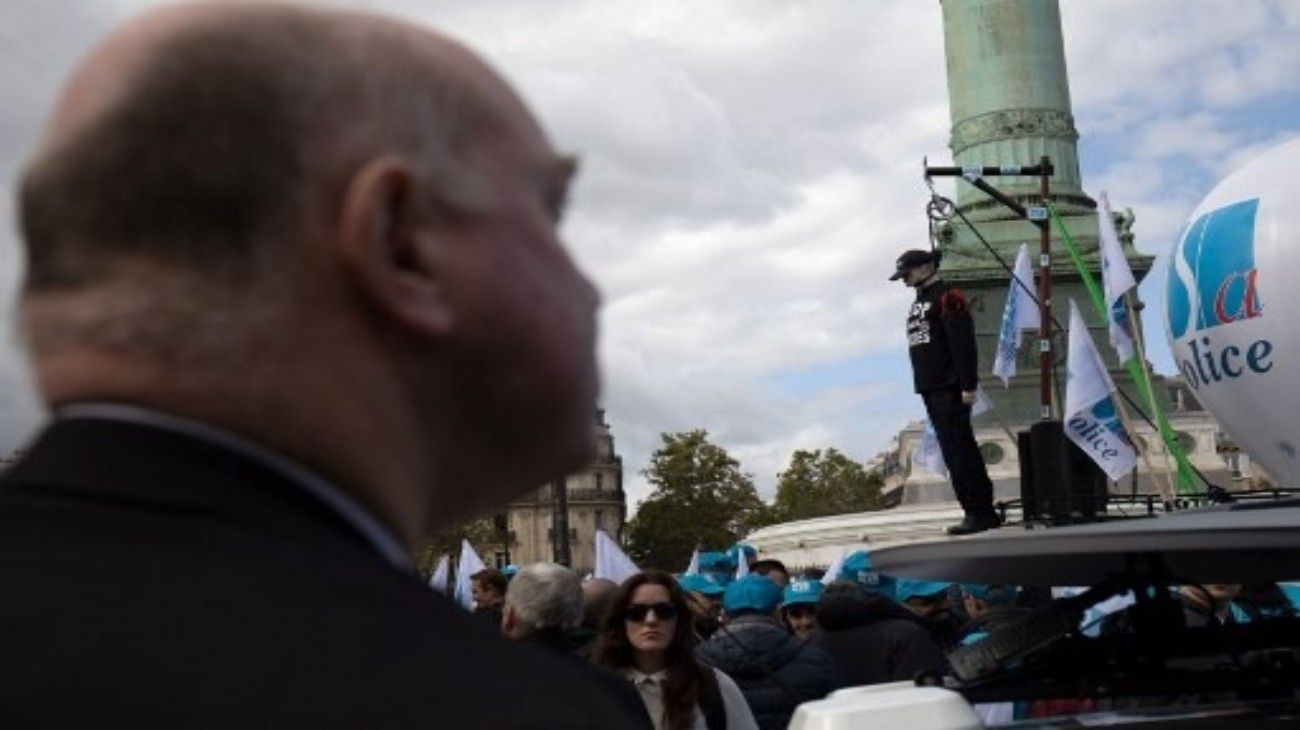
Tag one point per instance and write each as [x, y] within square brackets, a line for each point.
[648, 637]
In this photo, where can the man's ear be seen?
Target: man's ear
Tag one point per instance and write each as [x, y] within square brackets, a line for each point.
[509, 621]
[390, 244]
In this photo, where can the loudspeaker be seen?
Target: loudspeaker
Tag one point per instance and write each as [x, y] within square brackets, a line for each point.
[1058, 482]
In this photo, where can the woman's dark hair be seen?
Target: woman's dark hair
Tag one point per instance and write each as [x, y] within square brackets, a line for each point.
[684, 683]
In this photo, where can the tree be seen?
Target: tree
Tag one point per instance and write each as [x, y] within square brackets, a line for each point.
[820, 483]
[479, 532]
[700, 497]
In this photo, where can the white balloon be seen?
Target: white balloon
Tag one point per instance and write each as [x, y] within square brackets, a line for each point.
[1233, 308]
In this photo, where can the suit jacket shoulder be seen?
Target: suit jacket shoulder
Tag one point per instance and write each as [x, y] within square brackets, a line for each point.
[152, 579]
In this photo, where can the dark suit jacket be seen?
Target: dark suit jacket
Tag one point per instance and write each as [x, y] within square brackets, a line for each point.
[150, 579]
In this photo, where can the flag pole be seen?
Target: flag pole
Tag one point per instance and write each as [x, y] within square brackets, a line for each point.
[1127, 420]
[1185, 469]
[1140, 346]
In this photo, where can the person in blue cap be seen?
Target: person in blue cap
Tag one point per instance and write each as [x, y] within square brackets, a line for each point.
[717, 565]
[775, 671]
[799, 607]
[989, 606]
[929, 601]
[704, 596]
[858, 569]
[871, 638]
[741, 551]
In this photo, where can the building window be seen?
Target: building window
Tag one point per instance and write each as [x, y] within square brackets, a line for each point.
[597, 519]
[1187, 441]
[600, 481]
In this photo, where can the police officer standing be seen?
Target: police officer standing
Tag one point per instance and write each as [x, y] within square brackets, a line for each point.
[941, 343]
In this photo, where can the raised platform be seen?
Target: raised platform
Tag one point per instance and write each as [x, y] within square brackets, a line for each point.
[818, 542]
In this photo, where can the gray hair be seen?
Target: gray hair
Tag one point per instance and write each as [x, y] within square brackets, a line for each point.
[546, 596]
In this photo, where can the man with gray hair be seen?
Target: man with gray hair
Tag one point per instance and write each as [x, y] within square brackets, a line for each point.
[296, 301]
[543, 599]
[544, 606]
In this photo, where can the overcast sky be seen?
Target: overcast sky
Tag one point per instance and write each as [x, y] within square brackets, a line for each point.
[750, 169]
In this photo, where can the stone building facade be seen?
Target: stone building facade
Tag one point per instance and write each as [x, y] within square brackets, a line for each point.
[596, 501]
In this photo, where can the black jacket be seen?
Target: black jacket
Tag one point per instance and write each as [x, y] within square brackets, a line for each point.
[152, 579]
[574, 649]
[941, 339]
[775, 671]
[874, 640]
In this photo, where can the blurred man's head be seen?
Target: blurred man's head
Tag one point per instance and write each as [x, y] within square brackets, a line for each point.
[349, 254]
[772, 568]
[542, 597]
[751, 595]
[981, 598]
[925, 598]
[488, 587]
[597, 595]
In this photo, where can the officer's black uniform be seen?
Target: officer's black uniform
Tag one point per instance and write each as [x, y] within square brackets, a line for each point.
[941, 343]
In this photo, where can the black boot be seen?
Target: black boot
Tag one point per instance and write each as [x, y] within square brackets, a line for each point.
[976, 523]
[966, 527]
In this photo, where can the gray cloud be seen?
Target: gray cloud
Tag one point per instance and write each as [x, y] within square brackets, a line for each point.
[750, 168]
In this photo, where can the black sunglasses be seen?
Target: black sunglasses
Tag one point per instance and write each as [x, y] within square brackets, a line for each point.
[638, 611]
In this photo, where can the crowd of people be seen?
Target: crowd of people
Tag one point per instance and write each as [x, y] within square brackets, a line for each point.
[692, 652]
[296, 299]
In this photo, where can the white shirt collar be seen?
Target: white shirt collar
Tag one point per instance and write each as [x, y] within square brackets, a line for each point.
[371, 528]
[638, 677]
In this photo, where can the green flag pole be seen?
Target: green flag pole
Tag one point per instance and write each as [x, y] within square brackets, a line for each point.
[1136, 367]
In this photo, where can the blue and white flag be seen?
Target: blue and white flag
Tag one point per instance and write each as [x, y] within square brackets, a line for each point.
[1019, 314]
[611, 562]
[438, 581]
[693, 568]
[1117, 279]
[1092, 421]
[469, 564]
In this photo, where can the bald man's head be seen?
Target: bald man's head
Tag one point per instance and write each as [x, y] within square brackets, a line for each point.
[204, 140]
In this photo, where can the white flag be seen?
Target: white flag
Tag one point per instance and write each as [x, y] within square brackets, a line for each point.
[438, 581]
[834, 569]
[1117, 279]
[1019, 314]
[611, 562]
[1091, 420]
[469, 564]
[693, 568]
[927, 452]
[742, 563]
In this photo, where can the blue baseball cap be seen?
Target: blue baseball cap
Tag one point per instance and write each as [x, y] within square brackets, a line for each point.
[990, 593]
[702, 584]
[714, 560]
[751, 593]
[907, 588]
[857, 568]
[734, 552]
[802, 591]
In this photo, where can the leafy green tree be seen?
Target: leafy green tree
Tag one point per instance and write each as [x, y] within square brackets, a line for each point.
[820, 483]
[700, 497]
[479, 532]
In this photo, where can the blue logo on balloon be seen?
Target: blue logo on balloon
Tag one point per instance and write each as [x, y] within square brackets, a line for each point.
[1212, 282]
[1212, 274]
